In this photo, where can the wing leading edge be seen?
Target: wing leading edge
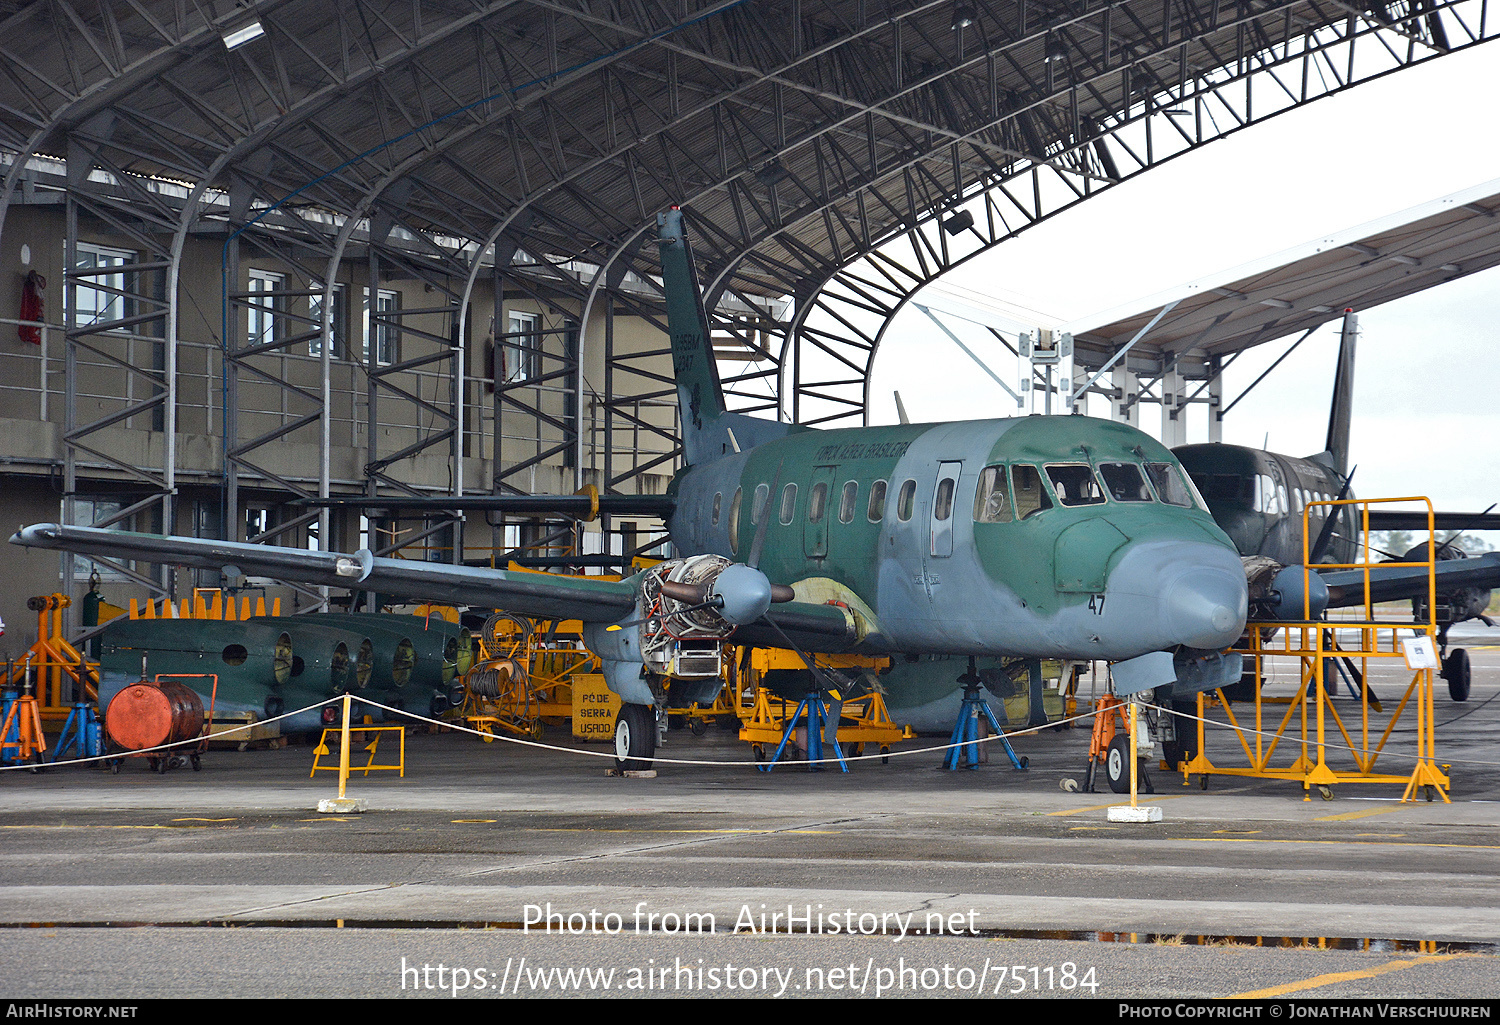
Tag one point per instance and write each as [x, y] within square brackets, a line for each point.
[823, 628]
[534, 594]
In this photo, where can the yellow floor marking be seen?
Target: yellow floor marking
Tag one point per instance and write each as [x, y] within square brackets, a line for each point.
[752, 832]
[1346, 816]
[460, 821]
[1100, 807]
[1457, 846]
[205, 820]
[1330, 979]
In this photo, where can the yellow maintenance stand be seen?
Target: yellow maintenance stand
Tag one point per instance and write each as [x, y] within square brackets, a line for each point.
[1321, 742]
[764, 714]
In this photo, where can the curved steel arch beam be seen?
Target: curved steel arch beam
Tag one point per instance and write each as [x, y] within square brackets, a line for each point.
[938, 244]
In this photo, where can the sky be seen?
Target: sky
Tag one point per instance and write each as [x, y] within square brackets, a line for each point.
[1427, 379]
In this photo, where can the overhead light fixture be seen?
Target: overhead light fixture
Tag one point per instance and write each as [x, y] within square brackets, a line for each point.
[963, 220]
[1177, 112]
[1057, 50]
[963, 17]
[772, 171]
[239, 36]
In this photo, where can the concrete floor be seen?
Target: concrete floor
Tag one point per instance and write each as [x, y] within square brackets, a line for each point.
[477, 840]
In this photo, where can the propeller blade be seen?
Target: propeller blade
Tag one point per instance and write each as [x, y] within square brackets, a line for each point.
[765, 520]
[1325, 536]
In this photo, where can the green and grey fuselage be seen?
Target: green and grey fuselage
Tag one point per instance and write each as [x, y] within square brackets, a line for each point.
[1067, 574]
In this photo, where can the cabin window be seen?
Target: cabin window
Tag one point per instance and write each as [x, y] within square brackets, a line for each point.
[992, 497]
[876, 509]
[817, 500]
[1170, 487]
[942, 501]
[1075, 484]
[847, 501]
[1030, 495]
[1124, 482]
[905, 499]
[718, 498]
[734, 520]
[788, 503]
[758, 507]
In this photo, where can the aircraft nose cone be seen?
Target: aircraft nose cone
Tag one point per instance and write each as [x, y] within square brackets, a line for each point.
[1205, 608]
[1179, 592]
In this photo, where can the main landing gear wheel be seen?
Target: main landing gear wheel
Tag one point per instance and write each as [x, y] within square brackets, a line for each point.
[1117, 767]
[635, 738]
[1456, 672]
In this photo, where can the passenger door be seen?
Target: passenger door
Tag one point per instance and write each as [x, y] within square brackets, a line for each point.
[944, 500]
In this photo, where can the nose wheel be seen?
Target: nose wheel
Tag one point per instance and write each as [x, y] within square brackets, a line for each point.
[1117, 767]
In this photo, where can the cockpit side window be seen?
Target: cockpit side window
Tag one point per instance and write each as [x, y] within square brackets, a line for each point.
[1170, 487]
[1124, 482]
[1075, 483]
[1030, 495]
[876, 509]
[758, 506]
[734, 520]
[992, 496]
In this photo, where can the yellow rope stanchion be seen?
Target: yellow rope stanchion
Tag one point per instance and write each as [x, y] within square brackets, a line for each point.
[342, 805]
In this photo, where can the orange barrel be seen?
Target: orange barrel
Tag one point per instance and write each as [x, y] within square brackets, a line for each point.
[151, 714]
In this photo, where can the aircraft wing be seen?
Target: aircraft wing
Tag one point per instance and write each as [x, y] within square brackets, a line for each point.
[823, 628]
[1392, 519]
[1390, 581]
[533, 594]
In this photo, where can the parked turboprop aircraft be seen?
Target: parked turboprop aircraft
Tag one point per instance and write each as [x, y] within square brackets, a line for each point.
[1258, 498]
[1034, 537]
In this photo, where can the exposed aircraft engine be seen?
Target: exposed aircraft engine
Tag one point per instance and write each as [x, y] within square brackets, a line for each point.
[683, 635]
[1456, 605]
[1277, 591]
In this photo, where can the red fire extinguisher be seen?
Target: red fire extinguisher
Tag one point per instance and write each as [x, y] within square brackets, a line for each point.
[33, 307]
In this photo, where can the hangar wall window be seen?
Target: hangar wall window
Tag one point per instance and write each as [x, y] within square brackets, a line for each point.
[905, 500]
[522, 350]
[266, 308]
[96, 298]
[1030, 495]
[847, 500]
[991, 497]
[734, 521]
[1124, 482]
[382, 329]
[876, 509]
[788, 503]
[1075, 484]
[338, 317]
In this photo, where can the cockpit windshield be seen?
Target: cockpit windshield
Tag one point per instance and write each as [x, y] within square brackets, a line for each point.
[1124, 482]
[1075, 483]
[1170, 486]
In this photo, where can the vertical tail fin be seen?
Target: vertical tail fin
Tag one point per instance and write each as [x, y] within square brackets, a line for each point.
[698, 389]
[1341, 408]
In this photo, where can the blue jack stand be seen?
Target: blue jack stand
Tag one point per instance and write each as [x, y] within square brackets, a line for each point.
[817, 716]
[8, 698]
[81, 733]
[965, 739]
